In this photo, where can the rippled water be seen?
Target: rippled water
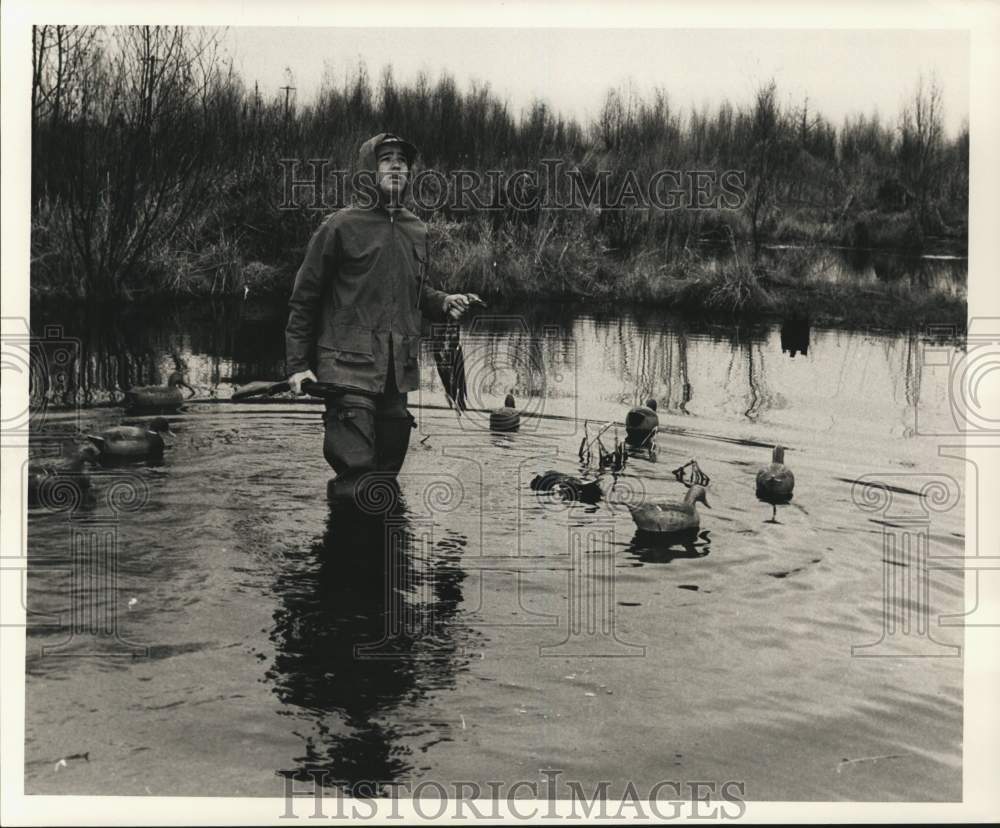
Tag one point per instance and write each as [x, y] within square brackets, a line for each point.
[479, 632]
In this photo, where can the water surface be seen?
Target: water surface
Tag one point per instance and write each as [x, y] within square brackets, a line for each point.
[259, 633]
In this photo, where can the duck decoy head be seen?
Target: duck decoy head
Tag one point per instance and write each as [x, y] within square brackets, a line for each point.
[88, 453]
[697, 494]
[651, 404]
[176, 380]
[160, 426]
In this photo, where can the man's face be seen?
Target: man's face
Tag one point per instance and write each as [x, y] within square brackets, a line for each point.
[392, 171]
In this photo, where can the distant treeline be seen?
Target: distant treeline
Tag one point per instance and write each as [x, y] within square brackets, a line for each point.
[157, 169]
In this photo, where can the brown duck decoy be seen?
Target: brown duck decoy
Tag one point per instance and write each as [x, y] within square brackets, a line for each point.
[71, 465]
[671, 517]
[507, 418]
[124, 443]
[775, 482]
[641, 424]
[162, 397]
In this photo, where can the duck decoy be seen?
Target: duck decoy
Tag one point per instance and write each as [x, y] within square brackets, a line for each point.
[669, 518]
[507, 418]
[163, 397]
[123, 443]
[71, 465]
[572, 488]
[775, 482]
[641, 424]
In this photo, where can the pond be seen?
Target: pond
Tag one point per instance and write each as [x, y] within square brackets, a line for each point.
[238, 630]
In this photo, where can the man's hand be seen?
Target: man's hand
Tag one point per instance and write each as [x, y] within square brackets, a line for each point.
[456, 304]
[295, 380]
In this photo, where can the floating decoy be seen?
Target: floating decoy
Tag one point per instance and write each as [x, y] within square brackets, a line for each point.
[166, 397]
[507, 418]
[72, 464]
[132, 442]
[670, 517]
[775, 482]
[641, 424]
[573, 488]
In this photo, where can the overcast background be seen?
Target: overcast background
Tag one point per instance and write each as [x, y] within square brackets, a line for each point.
[841, 71]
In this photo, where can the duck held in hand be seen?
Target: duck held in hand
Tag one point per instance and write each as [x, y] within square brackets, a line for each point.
[775, 482]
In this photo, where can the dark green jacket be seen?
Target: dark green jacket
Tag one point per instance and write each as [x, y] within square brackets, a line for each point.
[362, 286]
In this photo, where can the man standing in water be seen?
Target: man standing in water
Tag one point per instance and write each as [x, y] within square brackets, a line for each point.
[355, 316]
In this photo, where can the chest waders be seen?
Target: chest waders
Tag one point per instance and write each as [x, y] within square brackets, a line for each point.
[365, 433]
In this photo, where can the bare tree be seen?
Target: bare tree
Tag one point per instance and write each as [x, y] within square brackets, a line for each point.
[764, 127]
[127, 166]
[921, 139]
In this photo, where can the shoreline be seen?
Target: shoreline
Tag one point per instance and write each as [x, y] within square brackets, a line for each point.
[849, 308]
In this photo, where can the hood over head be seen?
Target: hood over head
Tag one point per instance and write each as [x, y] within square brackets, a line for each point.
[366, 155]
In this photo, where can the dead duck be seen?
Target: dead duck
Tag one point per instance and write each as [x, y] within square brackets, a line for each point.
[123, 443]
[72, 465]
[775, 482]
[167, 396]
[641, 424]
[507, 418]
[670, 517]
[572, 488]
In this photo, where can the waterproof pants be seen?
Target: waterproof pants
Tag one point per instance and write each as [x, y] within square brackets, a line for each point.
[365, 433]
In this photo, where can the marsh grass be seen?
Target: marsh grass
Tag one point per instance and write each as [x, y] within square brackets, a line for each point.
[172, 185]
[512, 265]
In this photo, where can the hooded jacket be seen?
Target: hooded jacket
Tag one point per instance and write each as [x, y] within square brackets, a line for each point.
[360, 295]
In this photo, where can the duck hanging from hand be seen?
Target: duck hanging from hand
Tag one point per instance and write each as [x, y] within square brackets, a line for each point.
[124, 443]
[507, 418]
[775, 483]
[161, 397]
[671, 517]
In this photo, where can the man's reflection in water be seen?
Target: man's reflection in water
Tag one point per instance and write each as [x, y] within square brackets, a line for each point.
[363, 634]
